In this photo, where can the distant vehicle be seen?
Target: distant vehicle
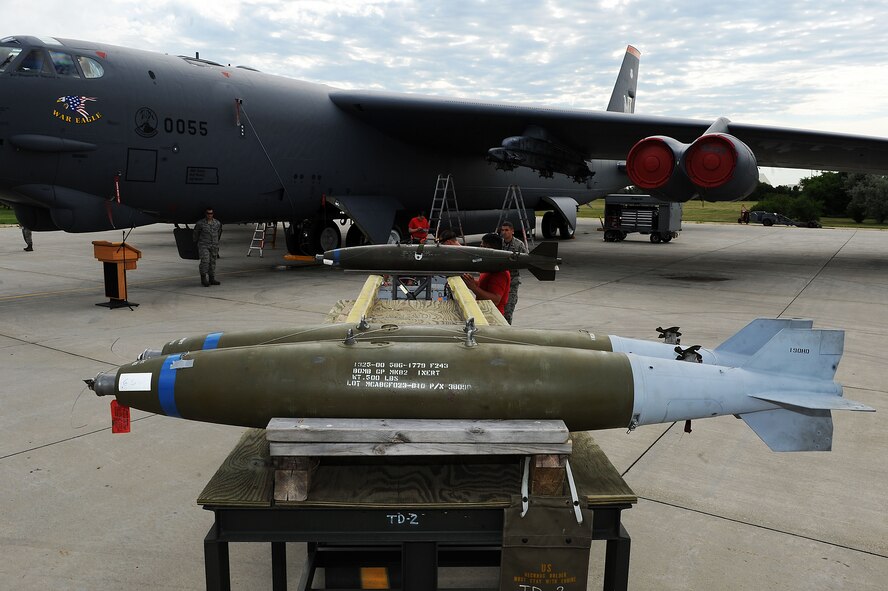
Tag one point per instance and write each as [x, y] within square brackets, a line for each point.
[767, 218]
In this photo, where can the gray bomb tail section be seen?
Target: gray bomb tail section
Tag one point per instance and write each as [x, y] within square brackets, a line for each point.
[804, 420]
[784, 391]
[623, 97]
[544, 261]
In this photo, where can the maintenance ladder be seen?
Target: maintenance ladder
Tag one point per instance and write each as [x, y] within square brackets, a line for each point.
[514, 200]
[444, 202]
[263, 233]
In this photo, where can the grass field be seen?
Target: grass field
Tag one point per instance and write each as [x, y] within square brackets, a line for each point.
[725, 213]
[6, 216]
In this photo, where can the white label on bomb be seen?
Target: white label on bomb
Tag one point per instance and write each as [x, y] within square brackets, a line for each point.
[135, 382]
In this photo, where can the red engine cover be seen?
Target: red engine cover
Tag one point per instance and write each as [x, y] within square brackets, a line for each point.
[651, 161]
[721, 165]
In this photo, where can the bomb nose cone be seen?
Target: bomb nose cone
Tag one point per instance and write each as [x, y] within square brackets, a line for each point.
[103, 384]
[150, 354]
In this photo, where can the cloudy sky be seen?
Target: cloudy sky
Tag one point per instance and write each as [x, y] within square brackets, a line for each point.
[817, 65]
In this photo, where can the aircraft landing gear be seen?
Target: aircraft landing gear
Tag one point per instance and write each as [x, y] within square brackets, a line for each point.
[553, 224]
[550, 224]
[325, 236]
[395, 236]
[311, 237]
[354, 236]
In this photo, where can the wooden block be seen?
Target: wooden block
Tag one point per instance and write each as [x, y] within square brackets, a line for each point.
[547, 474]
[309, 430]
[292, 477]
[291, 485]
[415, 449]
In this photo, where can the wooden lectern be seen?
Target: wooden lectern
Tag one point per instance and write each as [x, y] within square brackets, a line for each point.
[116, 258]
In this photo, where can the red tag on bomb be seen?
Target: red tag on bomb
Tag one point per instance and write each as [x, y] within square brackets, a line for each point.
[120, 418]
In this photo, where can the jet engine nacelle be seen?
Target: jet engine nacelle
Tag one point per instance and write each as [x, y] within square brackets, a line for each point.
[34, 218]
[716, 166]
[73, 211]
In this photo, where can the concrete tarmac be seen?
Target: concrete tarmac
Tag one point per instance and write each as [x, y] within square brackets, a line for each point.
[85, 509]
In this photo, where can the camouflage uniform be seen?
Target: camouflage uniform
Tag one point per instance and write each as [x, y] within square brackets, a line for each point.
[207, 234]
[514, 246]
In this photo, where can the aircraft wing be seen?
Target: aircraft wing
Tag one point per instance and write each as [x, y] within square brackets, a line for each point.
[467, 126]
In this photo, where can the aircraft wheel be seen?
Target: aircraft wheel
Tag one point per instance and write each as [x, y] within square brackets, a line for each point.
[550, 224]
[326, 237]
[565, 230]
[666, 237]
[655, 237]
[395, 236]
[298, 237]
[291, 238]
[354, 236]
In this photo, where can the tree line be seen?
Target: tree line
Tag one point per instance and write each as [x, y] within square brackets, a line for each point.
[831, 194]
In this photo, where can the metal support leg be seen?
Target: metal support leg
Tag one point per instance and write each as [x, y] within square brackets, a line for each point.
[279, 566]
[216, 565]
[419, 566]
[306, 581]
[616, 562]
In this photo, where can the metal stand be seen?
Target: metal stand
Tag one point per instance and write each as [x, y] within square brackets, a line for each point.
[419, 541]
[404, 287]
[364, 518]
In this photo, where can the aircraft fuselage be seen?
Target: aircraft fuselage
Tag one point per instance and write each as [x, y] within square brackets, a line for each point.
[159, 138]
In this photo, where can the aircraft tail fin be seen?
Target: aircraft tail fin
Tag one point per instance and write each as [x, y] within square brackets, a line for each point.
[544, 261]
[623, 97]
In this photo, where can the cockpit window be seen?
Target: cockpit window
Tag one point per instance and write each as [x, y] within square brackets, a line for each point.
[7, 54]
[91, 68]
[63, 64]
[33, 62]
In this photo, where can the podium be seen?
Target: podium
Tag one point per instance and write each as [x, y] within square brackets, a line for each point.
[116, 258]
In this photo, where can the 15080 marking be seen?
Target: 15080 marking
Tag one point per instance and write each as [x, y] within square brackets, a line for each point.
[799, 350]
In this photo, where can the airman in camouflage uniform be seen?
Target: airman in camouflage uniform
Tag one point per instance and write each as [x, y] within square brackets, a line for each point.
[510, 243]
[206, 234]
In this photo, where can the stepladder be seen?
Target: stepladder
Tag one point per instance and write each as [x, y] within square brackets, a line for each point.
[444, 207]
[515, 201]
[265, 233]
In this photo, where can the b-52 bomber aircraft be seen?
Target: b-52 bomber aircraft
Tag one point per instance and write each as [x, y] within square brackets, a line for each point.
[95, 137]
